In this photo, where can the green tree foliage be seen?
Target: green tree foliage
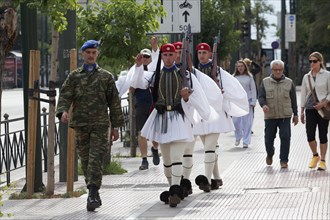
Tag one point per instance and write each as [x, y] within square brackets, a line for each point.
[313, 31]
[223, 16]
[56, 9]
[260, 23]
[122, 28]
[258, 20]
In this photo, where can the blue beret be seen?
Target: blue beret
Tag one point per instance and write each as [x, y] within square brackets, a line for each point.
[90, 44]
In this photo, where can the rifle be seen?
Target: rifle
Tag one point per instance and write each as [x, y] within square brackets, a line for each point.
[215, 62]
[185, 60]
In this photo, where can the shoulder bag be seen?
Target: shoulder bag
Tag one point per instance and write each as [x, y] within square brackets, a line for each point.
[324, 112]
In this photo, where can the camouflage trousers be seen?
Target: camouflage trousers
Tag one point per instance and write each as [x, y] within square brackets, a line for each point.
[91, 143]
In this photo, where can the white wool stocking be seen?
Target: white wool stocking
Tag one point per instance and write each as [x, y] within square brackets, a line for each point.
[187, 162]
[216, 172]
[176, 153]
[165, 150]
[209, 142]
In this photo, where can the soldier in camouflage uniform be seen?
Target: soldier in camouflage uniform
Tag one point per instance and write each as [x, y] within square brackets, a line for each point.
[91, 91]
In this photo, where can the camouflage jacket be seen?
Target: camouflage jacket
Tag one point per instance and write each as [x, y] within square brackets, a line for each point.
[91, 95]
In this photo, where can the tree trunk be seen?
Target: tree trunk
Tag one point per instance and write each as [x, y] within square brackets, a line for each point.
[8, 28]
[51, 116]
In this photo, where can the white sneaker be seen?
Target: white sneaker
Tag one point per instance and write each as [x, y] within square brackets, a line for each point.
[237, 142]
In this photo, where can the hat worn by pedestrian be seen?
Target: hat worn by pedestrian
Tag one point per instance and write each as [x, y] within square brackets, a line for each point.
[146, 52]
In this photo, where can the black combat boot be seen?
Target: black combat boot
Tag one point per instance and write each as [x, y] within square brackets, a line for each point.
[92, 201]
[98, 197]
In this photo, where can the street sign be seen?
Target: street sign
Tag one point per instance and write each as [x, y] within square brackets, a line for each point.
[186, 12]
[180, 13]
[290, 28]
[275, 45]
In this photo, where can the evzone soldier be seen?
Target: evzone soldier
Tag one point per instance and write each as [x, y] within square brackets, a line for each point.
[176, 97]
[234, 103]
[208, 130]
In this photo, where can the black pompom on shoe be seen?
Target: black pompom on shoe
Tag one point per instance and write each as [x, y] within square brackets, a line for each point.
[175, 195]
[164, 196]
[203, 183]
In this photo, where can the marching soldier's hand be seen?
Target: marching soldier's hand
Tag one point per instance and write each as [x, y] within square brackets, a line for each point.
[185, 93]
[160, 109]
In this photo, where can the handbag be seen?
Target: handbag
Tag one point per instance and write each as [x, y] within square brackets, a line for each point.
[324, 112]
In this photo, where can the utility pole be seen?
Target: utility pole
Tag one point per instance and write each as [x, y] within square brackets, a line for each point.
[245, 26]
[292, 57]
[29, 42]
[283, 51]
[67, 41]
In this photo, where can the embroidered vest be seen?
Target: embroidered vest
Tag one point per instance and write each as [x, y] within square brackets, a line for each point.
[170, 84]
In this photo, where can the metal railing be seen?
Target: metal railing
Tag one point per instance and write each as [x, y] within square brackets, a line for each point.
[13, 143]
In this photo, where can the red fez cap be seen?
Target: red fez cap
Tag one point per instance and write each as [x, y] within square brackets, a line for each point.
[167, 48]
[178, 45]
[203, 46]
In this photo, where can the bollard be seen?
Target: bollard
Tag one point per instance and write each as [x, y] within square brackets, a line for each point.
[45, 137]
[6, 116]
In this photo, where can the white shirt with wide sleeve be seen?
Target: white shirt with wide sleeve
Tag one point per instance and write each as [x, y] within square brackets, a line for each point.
[179, 128]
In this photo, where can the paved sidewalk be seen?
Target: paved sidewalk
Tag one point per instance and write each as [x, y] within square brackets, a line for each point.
[251, 190]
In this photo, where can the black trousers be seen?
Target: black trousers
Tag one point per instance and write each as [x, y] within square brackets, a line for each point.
[284, 126]
[313, 120]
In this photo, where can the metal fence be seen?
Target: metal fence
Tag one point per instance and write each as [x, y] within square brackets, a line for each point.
[13, 143]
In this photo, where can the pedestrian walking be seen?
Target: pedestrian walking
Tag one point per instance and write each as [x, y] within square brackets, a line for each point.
[170, 123]
[278, 100]
[255, 69]
[243, 124]
[252, 66]
[315, 94]
[91, 91]
[143, 102]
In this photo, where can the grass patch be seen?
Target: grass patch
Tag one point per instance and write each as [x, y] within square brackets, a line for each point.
[113, 168]
[5, 190]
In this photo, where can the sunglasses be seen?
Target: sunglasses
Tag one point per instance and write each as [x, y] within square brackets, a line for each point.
[146, 56]
[313, 61]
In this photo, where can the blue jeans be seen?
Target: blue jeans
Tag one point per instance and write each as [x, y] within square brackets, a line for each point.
[284, 126]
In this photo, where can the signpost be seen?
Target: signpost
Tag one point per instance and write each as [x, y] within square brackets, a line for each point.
[180, 13]
[290, 28]
[184, 13]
